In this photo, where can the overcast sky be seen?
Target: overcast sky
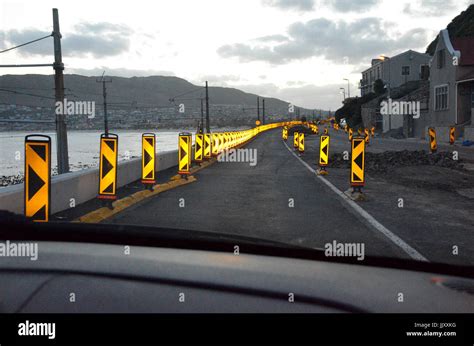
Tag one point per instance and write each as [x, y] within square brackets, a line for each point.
[296, 50]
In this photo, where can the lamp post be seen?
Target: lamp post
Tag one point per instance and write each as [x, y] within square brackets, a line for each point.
[348, 88]
[343, 93]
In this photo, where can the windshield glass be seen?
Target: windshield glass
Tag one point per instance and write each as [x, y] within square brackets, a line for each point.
[320, 126]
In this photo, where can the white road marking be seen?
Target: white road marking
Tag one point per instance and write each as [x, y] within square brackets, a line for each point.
[369, 218]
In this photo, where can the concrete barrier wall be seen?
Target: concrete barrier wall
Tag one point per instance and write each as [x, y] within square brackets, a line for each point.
[82, 185]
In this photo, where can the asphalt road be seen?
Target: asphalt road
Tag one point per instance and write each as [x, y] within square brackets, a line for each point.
[257, 201]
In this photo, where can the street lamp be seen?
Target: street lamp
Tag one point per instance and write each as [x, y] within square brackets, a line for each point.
[348, 88]
[343, 92]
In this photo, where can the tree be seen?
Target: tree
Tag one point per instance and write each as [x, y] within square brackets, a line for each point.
[379, 87]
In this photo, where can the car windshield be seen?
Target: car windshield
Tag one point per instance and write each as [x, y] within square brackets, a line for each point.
[308, 124]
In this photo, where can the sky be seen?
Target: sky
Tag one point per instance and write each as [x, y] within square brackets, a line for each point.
[296, 50]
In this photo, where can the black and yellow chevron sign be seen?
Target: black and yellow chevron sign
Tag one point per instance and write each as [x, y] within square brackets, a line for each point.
[207, 146]
[108, 166]
[357, 162]
[301, 142]
[184, 153]
[372, 131]
[215, 144]
[199, 148]
[324, 151]
[37, 195]
[366, 136]
[452, 135]
[148, 158]
[326, 131]
[432, 135]
[295, 139]
[350, 134]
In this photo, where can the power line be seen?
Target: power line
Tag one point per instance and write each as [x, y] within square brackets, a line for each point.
[26, 94]
[24, 44]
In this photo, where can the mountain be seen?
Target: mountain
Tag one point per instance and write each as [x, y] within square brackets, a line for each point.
[461, 26]
[137, 102]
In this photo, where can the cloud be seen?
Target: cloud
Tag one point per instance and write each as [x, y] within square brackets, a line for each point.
[347, 42]
[95, 39]
[118, 72]
[429, 8]
[343, 6]
[272, 38]
[309, 96]
[298, 5]
[351, 5]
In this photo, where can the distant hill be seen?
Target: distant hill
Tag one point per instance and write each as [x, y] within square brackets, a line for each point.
[154, 90]
[461, 26]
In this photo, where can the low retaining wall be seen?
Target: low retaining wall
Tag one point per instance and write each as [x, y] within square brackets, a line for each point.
[82, 186]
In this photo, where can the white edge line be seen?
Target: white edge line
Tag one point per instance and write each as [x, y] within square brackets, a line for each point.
[369, 218]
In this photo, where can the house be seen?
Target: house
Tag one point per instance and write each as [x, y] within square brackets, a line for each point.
[452, 86]
[396, 71]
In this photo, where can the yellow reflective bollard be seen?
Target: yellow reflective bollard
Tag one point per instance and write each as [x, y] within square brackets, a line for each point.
[184, 154]
[433, 143]
[148, 159]
[108, 167]
[37, 186]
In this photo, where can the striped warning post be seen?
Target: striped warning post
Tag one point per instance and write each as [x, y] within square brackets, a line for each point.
[148, 158]
[184, 153]
[452, 135]
[108, 166]
[37, 187]
[433, 143]
[199, 148]
[357, 162]
[207, 145]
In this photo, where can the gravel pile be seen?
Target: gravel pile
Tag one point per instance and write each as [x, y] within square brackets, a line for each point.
[383, 162]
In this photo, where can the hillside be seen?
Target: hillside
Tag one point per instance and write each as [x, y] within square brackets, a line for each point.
[137, 102]
[461, 26]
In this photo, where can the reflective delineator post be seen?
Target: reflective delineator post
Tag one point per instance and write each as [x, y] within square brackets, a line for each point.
[301, 143]
[452, 135]
[184, 154]
[323, 154]
[207, 146]
[37, 186]
[295, 140]
[199, 148]
[148, 159]
[433, 143]
[108, 168]
[357, 164]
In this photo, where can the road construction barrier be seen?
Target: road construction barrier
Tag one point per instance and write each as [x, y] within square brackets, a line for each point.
[357, 163]
[323, 153]
[108, 166]
[326, 131]
[433, 143]
[184, 153]
[452, 135]
[207, 145]
[148, 158]
[301, 143]
[199, 148]
[372, 131]
[295, 139]
[350, 135]
[37, 187]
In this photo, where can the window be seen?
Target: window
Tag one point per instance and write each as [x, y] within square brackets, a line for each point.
[441, 97]
[441, 58]
[405, 70]
[424, 72]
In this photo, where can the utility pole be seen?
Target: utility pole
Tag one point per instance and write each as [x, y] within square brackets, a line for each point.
[258, 108]
[103, 80]
[263, 111]
[208, 125]
[201, 128]
[61, 130]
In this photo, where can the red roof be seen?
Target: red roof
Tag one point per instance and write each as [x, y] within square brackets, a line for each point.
[466, 46]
